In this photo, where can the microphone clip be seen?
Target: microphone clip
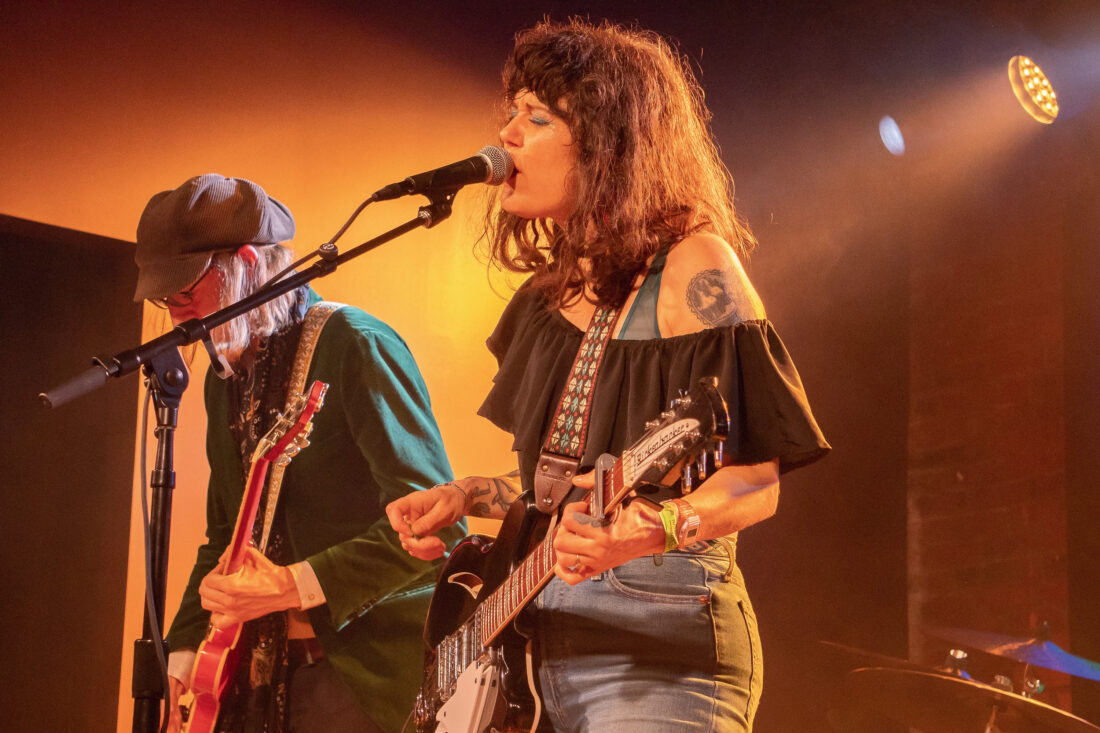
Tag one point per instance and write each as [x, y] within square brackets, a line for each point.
[438, 207]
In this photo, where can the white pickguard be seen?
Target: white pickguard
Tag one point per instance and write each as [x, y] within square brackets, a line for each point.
[470, 708]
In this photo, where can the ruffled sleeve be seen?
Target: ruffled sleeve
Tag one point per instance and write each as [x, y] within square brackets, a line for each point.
[770, 417]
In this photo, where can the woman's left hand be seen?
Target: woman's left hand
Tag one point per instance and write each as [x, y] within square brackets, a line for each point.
[585, 547]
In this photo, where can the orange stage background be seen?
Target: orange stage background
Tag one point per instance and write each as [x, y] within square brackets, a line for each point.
[112, 105]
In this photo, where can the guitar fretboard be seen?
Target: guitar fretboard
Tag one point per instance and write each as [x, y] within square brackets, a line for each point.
[666, 445]
[502, 605]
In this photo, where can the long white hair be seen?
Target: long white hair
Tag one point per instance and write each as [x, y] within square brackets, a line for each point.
[238, 280]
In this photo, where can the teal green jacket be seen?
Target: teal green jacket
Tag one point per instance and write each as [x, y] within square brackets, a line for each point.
[373, 441]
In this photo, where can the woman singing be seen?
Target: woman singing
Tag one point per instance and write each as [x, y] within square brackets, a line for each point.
[619, 199]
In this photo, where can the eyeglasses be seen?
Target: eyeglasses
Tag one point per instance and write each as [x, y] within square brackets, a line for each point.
[183, 297]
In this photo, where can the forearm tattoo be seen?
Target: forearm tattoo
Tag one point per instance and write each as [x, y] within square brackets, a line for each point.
[714, 297]
[495, 491]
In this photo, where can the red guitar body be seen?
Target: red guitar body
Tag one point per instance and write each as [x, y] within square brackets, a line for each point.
[215, 664]
[217, 658]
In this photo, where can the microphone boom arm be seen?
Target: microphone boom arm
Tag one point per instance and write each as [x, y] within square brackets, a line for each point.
[196, 329]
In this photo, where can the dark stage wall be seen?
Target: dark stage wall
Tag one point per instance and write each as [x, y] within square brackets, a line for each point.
[65, 524]
[1082, 366]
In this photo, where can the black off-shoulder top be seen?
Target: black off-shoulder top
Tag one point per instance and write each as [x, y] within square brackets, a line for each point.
[535, 345]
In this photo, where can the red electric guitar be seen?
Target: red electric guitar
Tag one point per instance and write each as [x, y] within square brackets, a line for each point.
[217, 657]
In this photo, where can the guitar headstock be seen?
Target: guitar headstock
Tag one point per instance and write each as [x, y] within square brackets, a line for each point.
[697, 420]
[292, 427]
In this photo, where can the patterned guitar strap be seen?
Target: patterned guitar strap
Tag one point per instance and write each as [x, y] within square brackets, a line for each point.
[269, 652]
[564, 447]
[315, 320]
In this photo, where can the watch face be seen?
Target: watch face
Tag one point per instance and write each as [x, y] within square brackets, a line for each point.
[689, 523]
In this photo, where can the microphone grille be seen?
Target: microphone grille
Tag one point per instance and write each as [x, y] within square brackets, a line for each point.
[500, 164]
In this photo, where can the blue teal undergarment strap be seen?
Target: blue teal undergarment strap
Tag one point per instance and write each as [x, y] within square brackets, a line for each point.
[641, 322]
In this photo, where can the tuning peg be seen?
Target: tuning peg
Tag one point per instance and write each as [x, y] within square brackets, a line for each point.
[662, 464]
[685, 478]
[701, 465]
[667, 414]
[718, 455]
[652, 424]
[682, 400]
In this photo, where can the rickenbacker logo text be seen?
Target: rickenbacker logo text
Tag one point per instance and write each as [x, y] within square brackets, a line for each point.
[656, 444]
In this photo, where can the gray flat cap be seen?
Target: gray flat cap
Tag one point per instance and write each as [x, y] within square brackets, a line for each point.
[181, 229]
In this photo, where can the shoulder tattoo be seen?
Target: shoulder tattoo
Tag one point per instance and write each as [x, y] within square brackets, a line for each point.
[713, 296]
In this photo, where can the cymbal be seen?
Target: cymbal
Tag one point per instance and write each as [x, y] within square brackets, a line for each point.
[936, 703]
[864, 658]
[1037, 652]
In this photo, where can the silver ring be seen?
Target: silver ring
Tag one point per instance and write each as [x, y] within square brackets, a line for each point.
[575, 566]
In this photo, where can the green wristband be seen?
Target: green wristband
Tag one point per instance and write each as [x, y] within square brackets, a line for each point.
[670, 518]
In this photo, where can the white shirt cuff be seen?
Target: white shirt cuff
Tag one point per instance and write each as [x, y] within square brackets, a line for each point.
[180, 664]
[309, 588]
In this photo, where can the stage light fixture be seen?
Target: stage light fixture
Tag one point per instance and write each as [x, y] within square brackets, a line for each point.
[890, 134]
[1033, 89]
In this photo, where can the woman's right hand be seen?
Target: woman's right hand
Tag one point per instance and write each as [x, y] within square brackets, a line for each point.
[418, 515]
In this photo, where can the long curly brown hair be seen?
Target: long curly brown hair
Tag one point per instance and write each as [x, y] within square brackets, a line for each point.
[648, 170]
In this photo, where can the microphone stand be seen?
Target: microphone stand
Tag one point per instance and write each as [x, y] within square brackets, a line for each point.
[167, 379]
[162, 364]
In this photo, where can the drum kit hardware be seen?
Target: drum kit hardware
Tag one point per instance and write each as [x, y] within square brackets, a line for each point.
[1037, 652]
[886, 690]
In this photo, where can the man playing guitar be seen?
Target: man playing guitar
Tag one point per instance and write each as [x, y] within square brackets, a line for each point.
[334, 607]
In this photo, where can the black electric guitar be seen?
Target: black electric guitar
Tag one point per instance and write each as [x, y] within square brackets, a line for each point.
[478, 673]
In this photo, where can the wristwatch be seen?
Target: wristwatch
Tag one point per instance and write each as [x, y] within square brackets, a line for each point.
[687, 529]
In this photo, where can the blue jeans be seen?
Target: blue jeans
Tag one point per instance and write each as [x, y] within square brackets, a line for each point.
[661, 644]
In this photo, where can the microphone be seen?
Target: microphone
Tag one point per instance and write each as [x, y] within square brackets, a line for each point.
[491, 165]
